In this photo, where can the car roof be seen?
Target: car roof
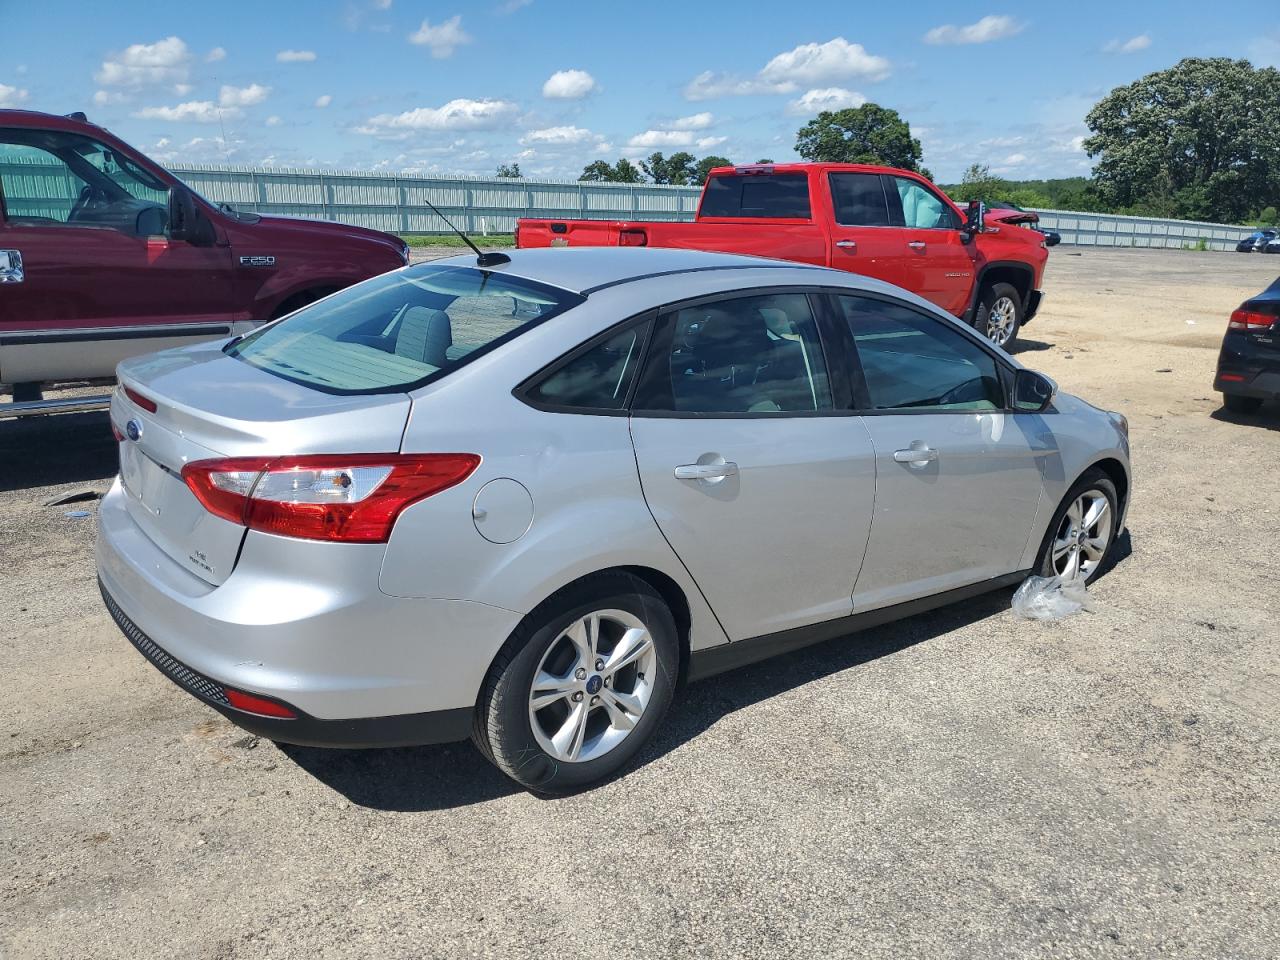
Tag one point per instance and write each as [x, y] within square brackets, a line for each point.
[584, 270]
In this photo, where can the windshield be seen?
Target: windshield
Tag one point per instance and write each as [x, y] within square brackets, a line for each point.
[400, 330]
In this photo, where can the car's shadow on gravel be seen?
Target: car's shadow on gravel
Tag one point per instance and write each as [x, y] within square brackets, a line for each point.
[1268, 417]
[1023, 345]
[56, 450]
[435, 778]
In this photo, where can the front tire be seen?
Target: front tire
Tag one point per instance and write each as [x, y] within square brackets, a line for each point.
[580, 686]
[1083, 529]
[999, 314]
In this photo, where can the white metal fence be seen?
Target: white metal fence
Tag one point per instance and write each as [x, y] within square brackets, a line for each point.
[396, 203]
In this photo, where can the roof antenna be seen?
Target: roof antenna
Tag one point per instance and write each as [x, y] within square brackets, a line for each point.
[482, 259]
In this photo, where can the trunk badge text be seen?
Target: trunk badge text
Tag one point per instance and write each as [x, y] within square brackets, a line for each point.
[134, 430]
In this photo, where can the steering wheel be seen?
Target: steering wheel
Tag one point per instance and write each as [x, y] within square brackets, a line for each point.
[89, 196]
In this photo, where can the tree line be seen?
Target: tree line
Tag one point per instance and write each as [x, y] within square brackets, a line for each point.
[1198, 141]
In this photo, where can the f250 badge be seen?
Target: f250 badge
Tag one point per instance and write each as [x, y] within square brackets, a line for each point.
[258, 261]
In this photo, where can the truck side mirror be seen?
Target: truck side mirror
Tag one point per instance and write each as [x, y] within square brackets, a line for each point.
[185, 222]
[975, 217]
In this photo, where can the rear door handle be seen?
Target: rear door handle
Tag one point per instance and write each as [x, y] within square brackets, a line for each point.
[916, 244]
[709, 472]
[847, 244]
[916, 455]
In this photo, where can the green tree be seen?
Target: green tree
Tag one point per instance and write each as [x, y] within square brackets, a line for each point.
[510, 171]
[705, 166]
[765, 160]
[676, 169]
[1200, 140]
[979, 183]
[624, 171]
[866, 134]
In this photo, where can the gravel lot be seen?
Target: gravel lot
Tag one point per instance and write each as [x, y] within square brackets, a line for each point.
[962, 784]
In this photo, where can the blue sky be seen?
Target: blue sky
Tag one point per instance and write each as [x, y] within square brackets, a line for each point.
[447, 87]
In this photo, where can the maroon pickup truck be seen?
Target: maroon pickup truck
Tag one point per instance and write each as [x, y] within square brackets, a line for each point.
[105, 255]
[878, 221]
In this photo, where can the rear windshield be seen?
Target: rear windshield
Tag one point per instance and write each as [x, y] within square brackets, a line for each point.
[779, 196]
[400, 330]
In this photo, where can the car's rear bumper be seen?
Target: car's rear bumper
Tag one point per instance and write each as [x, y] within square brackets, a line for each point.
[306, 625]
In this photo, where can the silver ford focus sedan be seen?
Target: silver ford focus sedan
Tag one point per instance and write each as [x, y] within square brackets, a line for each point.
[524, 501]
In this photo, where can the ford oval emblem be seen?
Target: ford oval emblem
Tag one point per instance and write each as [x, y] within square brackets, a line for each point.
[134, 429]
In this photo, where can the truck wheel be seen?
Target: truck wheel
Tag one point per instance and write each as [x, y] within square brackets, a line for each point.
[999, 314]
[1238, 404]
[580, 686]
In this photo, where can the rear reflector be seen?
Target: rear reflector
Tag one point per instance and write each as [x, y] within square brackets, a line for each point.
[259, 705]
[346, 498]
[1232, 377]
[1244, 319]
[145, 403]
[633, 238]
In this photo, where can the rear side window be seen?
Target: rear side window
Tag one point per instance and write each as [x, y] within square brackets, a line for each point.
[745, 355]
[400, 330]
[911, 361]
[778, 196]
[859, 200]
[598, 378]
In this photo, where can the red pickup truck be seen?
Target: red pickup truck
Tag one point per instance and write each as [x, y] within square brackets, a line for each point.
[878, 221]
[105, 255]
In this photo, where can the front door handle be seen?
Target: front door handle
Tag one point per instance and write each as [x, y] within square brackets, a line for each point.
[847, 244]
[917, 455]
[11, 266]
[916, 244]
[708, 472]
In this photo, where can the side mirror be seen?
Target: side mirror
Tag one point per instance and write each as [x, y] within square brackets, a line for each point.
[185, 222]
[1032, 392]
[975, 220]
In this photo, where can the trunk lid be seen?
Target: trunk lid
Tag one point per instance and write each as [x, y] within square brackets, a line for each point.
[209, 405]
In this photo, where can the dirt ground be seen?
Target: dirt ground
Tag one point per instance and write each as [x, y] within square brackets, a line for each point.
[960, 784]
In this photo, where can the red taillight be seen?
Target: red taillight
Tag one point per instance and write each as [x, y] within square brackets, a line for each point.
[633, 238]
[1244, 319]
[145, 403]
[259, 705]
[352, 498]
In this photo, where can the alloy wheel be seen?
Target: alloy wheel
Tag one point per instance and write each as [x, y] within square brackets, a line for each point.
[592, 685]
[1001, 320]
[1083, 536]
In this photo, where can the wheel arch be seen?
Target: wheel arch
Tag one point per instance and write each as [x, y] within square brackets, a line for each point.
[1013, 272]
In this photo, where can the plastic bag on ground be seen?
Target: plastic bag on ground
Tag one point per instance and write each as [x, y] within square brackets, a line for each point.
[1051, 598]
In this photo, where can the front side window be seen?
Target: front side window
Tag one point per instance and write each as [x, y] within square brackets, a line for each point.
[599, 377]
[911, 361]
[399, 330]
[783, 196]
[53, 179]
[745, 355]
[859, 200]
[922, 208]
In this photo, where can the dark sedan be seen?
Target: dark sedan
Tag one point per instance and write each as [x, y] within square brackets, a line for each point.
[1257, 241]
[1249, 364]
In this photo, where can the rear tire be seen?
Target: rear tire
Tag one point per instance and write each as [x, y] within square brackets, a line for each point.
[1078, 543]
[999, 314]
[1238, 404]
[555, 713]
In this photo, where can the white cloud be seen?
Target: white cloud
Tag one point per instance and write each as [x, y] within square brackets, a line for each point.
[511, 6]
[808, 64]
[103, 97]
[698, 121]
[706, 143]
[273, 121]
[146, 64]
[824, 98]
[1132, 45]
[558, 135]
[455, 115]
[323, 101]
[193, 111]
[214, 55]
[984, 31]
[243, 96]
[11, 96]
[182, 89]
[662, 138]
[295, 56]
[568, 85]
[441, 39]
[1014, 159]
[382, 4]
